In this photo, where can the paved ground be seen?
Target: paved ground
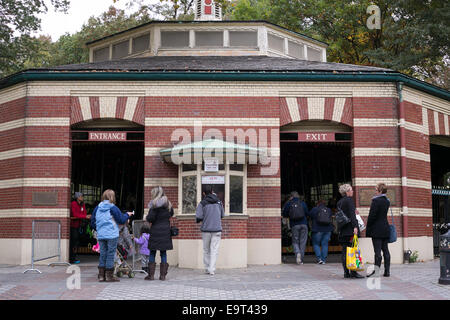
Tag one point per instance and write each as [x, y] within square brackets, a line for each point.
[281, 282]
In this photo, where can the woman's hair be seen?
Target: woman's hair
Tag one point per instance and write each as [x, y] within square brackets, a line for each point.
[157, 193]
[381, 187]
[343, 189]
[109, 195]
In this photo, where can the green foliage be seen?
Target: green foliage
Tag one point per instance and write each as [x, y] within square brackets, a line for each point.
[414, 256]
[17, 20]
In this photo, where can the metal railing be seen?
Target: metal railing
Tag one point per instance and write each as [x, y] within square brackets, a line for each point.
[136, 226]
[46, 242]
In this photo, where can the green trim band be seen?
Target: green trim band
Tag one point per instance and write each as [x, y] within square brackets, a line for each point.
[36, 75]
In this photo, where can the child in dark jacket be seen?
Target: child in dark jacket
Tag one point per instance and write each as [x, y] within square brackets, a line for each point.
[143, 242]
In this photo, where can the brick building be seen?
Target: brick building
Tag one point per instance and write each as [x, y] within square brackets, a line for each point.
[62, 130]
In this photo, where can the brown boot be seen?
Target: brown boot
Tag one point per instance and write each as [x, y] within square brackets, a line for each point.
[151, 271]
[109, 274]
[163, 267]
[101, 274]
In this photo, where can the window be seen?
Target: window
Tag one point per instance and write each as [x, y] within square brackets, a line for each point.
[275, 43]
[296, 50]
[229, 183]
[208, 38]
[120, 49]
[314, 55]
[141, 43]
[174, 39]
[243, 38]
[101, 54]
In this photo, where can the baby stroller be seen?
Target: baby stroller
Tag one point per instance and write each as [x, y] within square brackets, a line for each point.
[121, 267]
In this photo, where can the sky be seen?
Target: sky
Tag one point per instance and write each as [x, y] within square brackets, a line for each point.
[56, 24]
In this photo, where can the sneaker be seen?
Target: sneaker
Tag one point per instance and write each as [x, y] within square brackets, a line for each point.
[211, 273]
[298, 259]
[321, 262]
[76, 262]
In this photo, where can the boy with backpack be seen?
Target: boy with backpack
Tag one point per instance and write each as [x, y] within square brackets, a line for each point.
[321, 230]
[296, 210]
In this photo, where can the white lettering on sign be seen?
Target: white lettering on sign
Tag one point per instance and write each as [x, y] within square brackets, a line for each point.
[107, 136]
[316, 137]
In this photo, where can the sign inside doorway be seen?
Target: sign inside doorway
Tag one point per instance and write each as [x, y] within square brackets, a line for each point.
[107, 136]
[213, 179]
[316, 136]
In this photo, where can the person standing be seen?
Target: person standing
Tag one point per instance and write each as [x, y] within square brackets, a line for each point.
[77, 213]
[321, 230]
[296, 210]
[347, 231]
[105, 220]
[210, 213]
[159, 214]
[378, 228]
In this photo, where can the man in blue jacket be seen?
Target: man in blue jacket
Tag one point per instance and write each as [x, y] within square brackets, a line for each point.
[299, 227]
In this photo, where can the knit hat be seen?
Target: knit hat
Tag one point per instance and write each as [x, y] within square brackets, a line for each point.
[78, 194]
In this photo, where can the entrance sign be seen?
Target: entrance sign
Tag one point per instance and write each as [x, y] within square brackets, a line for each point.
[211, 164]
[107, 136]
[213, 179]
[316, 136]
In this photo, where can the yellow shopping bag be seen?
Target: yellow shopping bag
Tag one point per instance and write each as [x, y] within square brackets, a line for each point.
[354, 258]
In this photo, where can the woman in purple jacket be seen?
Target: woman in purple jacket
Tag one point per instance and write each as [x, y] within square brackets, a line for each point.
[143, 242]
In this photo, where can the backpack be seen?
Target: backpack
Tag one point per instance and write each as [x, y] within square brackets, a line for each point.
[296, 211]
[324, 216]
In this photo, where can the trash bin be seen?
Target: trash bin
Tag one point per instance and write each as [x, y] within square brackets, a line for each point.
[444, 249]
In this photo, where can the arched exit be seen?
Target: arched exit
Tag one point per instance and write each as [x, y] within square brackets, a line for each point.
[315, 158]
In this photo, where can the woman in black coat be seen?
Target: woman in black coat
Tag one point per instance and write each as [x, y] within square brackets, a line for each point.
[160, 239]
[378, 228]
[347, 232]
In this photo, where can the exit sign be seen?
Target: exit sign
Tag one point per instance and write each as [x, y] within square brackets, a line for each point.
[316, 136]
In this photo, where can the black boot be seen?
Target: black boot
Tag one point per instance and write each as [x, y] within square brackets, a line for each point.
[356, 275]
[151, 271]
[387, 267]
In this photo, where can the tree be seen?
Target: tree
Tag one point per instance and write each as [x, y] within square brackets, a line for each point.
[413, 39]
[17, 20]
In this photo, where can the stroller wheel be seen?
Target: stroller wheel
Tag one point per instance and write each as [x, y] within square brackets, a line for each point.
[119, 274]
[131, 275]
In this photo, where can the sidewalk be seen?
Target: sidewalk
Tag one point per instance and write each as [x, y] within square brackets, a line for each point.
[418, 281]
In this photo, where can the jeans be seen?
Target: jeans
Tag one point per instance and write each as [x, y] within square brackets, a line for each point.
[73, 245]
[378, 245]
[152, 256]
[211, 241]
[299, 238]
[321, 239]
[108, 249]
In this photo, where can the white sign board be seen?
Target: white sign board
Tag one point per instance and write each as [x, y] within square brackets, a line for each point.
[211, 164]
[213, 179]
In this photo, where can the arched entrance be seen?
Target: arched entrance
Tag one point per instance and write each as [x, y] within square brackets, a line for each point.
[108, 154]
[315, 158]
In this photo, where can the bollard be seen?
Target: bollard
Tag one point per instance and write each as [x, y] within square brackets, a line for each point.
[444, 250]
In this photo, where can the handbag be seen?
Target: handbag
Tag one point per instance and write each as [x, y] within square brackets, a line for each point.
[354, 260]
[173, 230]
[341, 218]
[392, 230]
